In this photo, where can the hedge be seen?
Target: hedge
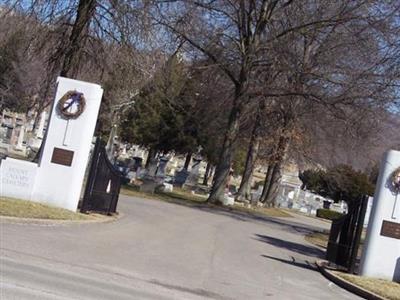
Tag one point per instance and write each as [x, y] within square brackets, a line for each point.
[328, 214]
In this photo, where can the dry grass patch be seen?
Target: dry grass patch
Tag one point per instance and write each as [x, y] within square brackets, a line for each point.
[27, 209]
[270, 212]
[178, 195]
[384, 288]
[185, 195]
[318, 238]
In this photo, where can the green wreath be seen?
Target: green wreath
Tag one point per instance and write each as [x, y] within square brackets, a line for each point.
[73, 97]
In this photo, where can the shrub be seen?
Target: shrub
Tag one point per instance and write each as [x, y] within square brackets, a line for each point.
[328, 214]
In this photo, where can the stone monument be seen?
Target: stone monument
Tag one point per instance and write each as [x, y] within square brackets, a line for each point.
[58, 176]
[149, 179]
[381, 255]
[193, 177]
[37, 137]
[181, 177]
[162, 165]
[20, 140]
[40, 128]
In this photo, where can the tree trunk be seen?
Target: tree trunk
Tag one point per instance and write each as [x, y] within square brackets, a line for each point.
[245, 184]
[276, 175]
[267, 182]
[187, 160]
[207, 174]
[151, 155]
[70, 66]
[273, 187]
[84, 14]
[225, 160]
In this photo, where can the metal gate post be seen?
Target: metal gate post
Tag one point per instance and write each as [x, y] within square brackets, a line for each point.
[91, 177]
[345, 235]
[360, 224]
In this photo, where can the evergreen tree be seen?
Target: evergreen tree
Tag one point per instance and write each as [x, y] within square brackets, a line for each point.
[341, 182]
[161, 117]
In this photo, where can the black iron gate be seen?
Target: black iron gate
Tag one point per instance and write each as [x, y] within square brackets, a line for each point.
[103, 184]
[345, 235]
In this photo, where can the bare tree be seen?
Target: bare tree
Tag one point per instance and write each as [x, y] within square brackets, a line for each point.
[336, 72]
[233, 44]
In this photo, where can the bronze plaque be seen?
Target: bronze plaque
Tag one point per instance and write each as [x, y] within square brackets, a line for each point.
[62, 157]
[390, 229]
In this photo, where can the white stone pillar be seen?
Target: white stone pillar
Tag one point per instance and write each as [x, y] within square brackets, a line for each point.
[67, 145]
[381, 254]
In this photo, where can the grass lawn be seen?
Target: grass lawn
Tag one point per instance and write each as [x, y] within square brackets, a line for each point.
[27, 209]
[181, 196]
[318, 238]
[177, 194]
[384, 288]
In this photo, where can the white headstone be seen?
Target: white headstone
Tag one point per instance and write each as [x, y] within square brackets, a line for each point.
[381, 255]
[39, 130]
[20, 141]
[228, 200]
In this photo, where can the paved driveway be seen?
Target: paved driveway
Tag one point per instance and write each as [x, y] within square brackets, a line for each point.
[159, 250]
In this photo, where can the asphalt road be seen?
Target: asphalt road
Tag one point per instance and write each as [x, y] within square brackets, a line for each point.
[158, 250]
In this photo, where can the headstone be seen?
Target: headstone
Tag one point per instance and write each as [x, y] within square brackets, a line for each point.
[228, 200]
[193, 177]
[168, 187]
[150, 182]
[148, 186]
[326, 204]
[181, 177]
[303, 209]
[381, 253]
[40, 128]
[137, 163]
[254, 197]
[123, 151]
[14, 134]
[20, 140]
[59, 174]
[152, 168]
[162, 164]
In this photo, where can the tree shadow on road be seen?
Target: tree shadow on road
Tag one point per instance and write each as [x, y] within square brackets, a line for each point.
[287, 223]
[294, 247]
[293, 262]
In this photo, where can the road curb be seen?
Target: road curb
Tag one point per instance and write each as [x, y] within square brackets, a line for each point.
[323, 268]
[51, 222]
